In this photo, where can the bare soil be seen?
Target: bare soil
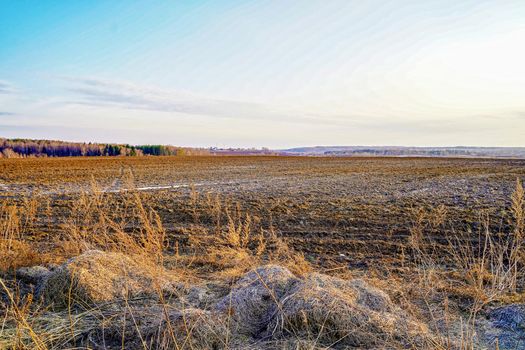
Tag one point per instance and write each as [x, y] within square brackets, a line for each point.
[340, 212]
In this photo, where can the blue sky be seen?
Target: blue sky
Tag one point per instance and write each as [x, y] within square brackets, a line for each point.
[264, 73]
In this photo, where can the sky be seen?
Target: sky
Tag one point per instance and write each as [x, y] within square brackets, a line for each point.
[275, 74]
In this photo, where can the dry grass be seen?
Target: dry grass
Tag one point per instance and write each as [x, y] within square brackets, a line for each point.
[128, 261]
[483, 268]
[127, 297]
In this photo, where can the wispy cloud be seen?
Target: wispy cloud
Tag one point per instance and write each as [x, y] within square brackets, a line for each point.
[520, 114]
[99, 92]
[107, 93]
[85, 103]
[6, 88]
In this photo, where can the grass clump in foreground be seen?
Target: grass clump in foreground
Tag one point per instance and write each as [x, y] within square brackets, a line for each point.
[115, 279]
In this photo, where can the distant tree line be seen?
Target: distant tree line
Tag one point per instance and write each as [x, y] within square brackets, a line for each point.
[518, 152]
[13, 148]
[159, 150]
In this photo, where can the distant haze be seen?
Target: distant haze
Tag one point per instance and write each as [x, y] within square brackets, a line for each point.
[397, 151]
[279, 74]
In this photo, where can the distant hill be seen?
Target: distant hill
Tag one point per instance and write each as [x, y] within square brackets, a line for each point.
[400, 151]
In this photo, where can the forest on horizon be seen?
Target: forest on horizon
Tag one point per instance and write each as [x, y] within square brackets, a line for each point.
[17, 148]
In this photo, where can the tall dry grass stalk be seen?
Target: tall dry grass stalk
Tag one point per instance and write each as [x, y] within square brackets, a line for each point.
[16, 221]
[516, 246]
[490, 264]
[229, 240]
[99, 220]
[18, 311]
